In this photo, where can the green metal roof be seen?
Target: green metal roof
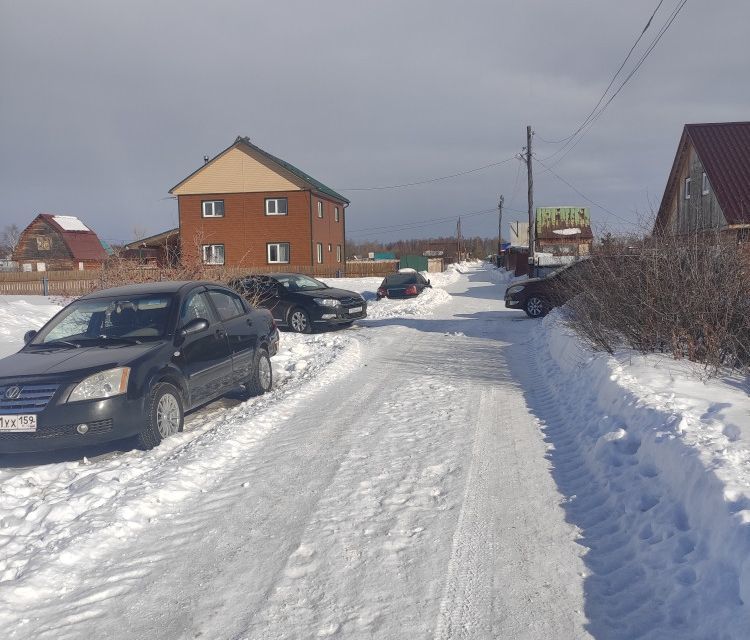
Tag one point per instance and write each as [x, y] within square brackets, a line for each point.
[319, 186]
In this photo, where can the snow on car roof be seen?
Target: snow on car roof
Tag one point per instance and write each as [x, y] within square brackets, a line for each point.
[70, 223]
[407, 270]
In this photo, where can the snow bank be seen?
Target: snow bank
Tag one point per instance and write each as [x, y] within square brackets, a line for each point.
[18, 314]
[656, 463]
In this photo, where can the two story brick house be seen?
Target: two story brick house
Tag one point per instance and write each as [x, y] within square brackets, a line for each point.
[248, 208]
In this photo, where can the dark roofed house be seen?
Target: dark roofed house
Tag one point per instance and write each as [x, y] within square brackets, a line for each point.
[709, 184]
[160, 250]
[57, 243]
[248, 208]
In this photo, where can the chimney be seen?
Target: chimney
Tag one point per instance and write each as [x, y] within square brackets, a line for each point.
[205, 159]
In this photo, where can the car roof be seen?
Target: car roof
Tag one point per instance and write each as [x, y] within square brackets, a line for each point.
[145, 288]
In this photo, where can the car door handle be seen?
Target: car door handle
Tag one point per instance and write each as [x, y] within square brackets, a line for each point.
[249, 322]
[220, 333]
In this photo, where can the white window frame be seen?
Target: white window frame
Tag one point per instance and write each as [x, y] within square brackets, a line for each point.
[320, 208]
[336, 214]
[338, 253]
[319, 252]
[210, 211]
[687, 188]
[277, 246]
[705, 187]
[211, 248]
[276, 201]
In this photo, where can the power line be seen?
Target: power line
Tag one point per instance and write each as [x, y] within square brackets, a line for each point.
[429, 180]
[583, 195]
[611, 82]
[593, 117]
[424, 223]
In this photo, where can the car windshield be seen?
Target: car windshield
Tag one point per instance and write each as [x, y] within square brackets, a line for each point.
[296, 282]
[400, 278]
[132, 319]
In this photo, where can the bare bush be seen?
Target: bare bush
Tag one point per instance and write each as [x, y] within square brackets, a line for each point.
[688, 296]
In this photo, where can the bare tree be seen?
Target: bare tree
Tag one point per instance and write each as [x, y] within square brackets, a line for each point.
[9, 238]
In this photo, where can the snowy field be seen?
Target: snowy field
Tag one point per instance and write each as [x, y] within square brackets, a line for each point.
[444, 469]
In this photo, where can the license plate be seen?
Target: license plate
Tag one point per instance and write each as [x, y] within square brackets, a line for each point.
[355, 309]
[25, 423]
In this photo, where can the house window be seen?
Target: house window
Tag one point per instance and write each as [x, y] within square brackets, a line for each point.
[320, 209]
[336, 214]
[213, 208]
[705, 189]
[278, 252]
[276, 206]
[687, 188]
[330, 247]
[42, 243]
[338, 253]
[320, 252]
[213, 253]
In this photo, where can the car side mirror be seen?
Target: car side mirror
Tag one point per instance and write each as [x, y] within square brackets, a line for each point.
[428, 283]
[29, 336]
[196, 325]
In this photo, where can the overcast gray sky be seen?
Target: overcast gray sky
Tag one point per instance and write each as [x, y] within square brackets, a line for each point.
[106, 105]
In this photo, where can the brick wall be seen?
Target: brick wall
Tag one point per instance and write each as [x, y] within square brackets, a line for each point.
[327, 231]
[245, 230]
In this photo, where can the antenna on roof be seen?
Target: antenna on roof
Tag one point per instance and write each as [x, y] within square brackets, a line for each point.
[205, 159]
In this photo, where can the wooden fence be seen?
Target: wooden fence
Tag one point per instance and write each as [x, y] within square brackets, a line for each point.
[76, 283]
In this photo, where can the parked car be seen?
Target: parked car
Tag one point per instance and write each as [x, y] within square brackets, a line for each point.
[129, 362]
[538, 296]
[299, 302]
[406, 283]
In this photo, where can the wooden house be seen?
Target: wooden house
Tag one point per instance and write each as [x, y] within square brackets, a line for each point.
[708, 188]
[248, 208]
[58, 243]
[160, 250]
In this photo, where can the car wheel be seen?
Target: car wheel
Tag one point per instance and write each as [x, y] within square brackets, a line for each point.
[299, 321]
[164, 415]
[261, 379]
[536, 307]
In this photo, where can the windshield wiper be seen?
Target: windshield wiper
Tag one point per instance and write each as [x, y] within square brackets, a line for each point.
[124, 339]
[57, 343]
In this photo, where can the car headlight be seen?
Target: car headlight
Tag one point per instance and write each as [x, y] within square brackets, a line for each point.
[326, 302]
[515, 289]
[105, 384]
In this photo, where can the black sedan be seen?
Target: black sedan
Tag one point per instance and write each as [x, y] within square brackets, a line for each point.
[300, 302]
[407, 283]
[129, 362]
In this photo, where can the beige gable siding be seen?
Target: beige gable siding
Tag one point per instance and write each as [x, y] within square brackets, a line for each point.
[235, 172]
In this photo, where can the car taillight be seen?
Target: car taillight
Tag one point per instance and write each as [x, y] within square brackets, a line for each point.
[411, 290]
[382, 292]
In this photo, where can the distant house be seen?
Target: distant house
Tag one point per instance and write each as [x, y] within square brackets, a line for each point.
[56, 243]
[709, 184]
[246, 207]
[160, 250]
[563, 231]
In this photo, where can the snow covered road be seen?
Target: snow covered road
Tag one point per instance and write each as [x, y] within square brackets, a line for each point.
[402, 493]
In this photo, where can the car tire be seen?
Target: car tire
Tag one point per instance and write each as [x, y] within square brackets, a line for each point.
[164, 415]
[299, 321]
[261, 379]
[536, 307]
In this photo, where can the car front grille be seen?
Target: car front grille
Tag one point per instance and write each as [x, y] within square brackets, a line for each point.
[33, 398]
[98, 427]
[351, 302]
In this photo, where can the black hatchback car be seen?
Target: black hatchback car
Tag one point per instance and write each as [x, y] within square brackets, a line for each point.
[406, 283]
[300, 302]
[130, 361]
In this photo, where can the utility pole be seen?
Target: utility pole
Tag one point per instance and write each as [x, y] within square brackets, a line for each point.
[532, 230]
[458, 239]
[499, 228]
